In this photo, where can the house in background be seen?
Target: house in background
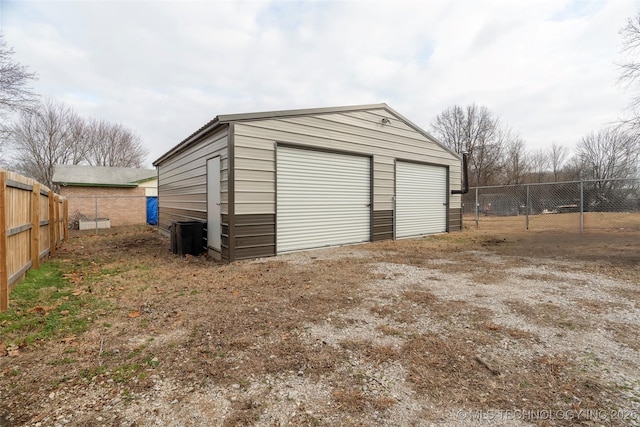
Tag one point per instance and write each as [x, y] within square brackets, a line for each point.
[125, 196]
[274, 182]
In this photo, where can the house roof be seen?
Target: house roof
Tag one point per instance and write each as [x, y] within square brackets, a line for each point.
[101, 176]
[230, 118]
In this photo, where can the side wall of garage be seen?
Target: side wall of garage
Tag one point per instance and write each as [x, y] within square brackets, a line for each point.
[358, 132]
[182, 185]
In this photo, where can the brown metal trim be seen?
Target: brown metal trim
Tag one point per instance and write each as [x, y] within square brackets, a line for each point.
[382, 225]
[231, 191]
[206, 189]
[455, 219]
[395, 196]
[255, 231]
[321, 149]
[419, 162]
[224, 238]
[371, 199]
[254, 252]
[448, 200]
[158, 194]
[275, 201]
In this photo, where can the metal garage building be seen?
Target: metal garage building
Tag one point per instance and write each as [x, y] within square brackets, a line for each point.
[274, 182]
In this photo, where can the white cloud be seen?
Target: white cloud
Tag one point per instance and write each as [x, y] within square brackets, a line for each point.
[165, 68]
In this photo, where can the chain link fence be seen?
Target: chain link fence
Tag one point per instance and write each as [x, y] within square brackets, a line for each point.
[581, 206]
[101, 213]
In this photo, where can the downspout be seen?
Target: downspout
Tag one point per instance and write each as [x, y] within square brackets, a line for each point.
[465, 176]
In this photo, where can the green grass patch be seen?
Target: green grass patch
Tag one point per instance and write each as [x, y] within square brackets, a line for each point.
[124, 373]
[63, 361]
[43, 307]
[95, 371]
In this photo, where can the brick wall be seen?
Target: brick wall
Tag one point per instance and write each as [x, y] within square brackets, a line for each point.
[123, 206]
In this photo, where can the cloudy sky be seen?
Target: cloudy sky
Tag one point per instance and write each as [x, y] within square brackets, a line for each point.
[164, 68]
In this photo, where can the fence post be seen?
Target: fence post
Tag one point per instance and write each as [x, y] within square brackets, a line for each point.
[52, 225]
[477, 210]
[65, 214]
[526, 208]
[56, 201]
[35, 226]
[4, 275]
[96, 217]
[581, 206]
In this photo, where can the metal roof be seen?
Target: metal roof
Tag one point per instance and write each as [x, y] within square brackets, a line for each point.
[82, 175]
[230, 118]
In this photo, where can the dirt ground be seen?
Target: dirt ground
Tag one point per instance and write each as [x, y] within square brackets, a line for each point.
[470, 328]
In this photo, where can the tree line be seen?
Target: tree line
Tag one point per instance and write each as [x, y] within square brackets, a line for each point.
[498, 156]
[45, 133]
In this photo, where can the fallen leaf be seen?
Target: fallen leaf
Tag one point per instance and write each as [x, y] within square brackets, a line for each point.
[38, 310]
[68, 340]
[134, 314]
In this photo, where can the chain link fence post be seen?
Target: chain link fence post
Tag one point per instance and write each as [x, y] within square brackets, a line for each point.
[526, 208]
[581, 206]
[477, 205]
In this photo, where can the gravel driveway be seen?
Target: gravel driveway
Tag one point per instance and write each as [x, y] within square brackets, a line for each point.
[460, 329]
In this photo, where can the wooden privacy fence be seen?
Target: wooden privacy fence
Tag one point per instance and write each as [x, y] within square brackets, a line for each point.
[33, 222]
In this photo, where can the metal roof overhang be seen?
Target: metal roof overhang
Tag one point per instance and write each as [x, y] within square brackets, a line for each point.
[228, 118]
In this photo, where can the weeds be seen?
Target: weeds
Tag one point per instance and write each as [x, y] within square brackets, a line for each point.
[44, 306]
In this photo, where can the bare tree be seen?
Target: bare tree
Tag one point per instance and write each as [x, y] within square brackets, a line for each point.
[557, 155]
[610, 157]
[51, 134]
[610, 154]
[630, 67]
[516, 163]
[43, 137]
[114, 145]
[539, 164]
[477, 131]
[15, 93]
[573, 168]
[630, 71]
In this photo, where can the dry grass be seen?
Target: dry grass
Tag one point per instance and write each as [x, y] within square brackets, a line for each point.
[243, 330]
[547, 314]
[448, 371]
[566, 222]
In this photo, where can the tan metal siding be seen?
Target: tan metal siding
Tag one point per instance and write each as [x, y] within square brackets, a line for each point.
[182, 186]
[350, 139]
[359, 132]
[383, 182]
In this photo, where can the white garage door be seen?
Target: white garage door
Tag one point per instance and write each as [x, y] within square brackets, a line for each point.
[421, 199]
[323, 199]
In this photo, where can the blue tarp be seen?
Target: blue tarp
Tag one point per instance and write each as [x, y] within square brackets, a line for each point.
[152, 210]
